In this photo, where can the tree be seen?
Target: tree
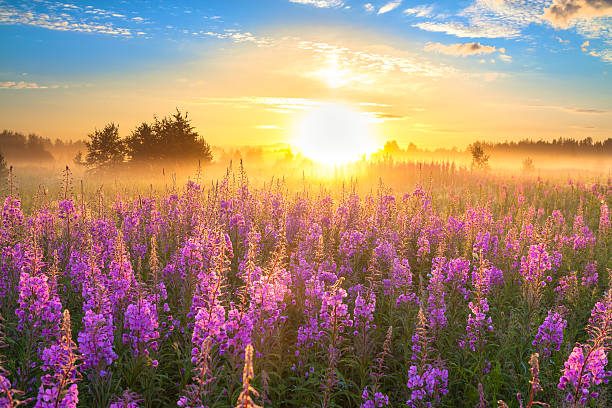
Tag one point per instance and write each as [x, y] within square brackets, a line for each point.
[528, 166]
[3, 167]
[143, 143]
[170, 138]
[480, 160]
[105, 147]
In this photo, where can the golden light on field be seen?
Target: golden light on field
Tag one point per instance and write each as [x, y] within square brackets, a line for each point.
[334, 134]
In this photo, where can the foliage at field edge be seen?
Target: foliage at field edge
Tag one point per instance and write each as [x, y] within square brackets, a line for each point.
[483, 293]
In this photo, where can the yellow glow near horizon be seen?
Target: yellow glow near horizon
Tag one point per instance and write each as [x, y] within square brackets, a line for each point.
[333, 134]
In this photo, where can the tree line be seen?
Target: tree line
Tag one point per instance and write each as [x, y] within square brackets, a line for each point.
[31, 148]
[171, 138]
[566, 146]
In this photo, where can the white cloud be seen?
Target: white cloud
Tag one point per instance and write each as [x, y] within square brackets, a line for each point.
[420, 11]
[461, 30]
[22, 85]
[368, 7]
[236, 36]
[63, 21]
[392, 5]
[490, 19]
[320, 3]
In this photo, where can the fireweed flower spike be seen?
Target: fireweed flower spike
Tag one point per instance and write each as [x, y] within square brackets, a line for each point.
[195, 393]
[428, 377]
[245, 399]
[585, 369]
[59, 386]
[550, 333]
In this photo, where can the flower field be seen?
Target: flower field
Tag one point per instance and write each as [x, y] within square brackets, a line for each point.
[482, 292]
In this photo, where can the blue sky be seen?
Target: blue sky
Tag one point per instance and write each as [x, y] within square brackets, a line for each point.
[544, 61]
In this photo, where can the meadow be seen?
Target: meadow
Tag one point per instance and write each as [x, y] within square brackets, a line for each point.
[454, 288]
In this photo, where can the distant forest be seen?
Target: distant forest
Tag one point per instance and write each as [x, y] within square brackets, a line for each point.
[524, 147]
[556, 146]
[17, 147]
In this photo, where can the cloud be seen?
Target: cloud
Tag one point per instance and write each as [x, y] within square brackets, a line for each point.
[568, 109]
[585, 45]
[320, 3]
[236, 36]
[292, 105]
[505, 58]
[489, 19]
[461, 49]
[392, 5]
[562, 12]
[22, 85]
[491, 76]
[463, 31]
[420, 11]
[50, 19]
[368, 7]
[368, 63]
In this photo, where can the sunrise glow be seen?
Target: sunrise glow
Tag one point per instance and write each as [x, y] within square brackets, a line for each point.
[334, 134]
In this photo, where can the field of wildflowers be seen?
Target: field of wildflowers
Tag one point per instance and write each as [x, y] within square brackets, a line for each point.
[487, 292]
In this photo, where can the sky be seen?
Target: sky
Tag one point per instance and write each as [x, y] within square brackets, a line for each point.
[433, 73]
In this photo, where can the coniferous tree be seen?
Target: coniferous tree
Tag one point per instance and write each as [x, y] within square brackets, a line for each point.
[105, 147]
[170, 138]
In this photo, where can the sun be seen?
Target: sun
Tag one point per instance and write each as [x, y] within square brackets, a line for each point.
[334, 134]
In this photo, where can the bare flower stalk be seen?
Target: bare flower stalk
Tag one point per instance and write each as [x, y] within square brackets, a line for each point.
[245, 400]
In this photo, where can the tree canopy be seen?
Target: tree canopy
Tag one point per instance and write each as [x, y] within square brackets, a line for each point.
[105, 147]
[170, 138]
[480, 159]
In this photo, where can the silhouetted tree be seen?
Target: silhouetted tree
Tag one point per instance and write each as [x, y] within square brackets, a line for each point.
[143, 143]
[105, 147]
[3, 167]
[480, 159]
[528, 165]
[169, 138]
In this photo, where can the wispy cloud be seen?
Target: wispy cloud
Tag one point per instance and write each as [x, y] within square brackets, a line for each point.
[366, 62]
[390, 6]
[236, 36]
[320, 3]
[292, 105]
[64, 17]
[420, 11]
[568, 109]
[464, 31]
[462, 50]
[489, 19]
[368, 7]
[23, 85]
